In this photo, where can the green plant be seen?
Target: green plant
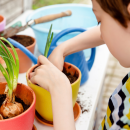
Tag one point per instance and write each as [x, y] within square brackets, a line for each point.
[12, 68]
[49, 40]
[10, 107]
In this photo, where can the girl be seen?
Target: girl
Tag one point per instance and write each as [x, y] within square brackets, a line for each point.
[114, 31]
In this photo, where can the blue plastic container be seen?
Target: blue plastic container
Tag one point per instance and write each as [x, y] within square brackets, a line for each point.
[82, 17]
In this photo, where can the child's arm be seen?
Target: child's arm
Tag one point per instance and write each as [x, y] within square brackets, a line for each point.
[88, 39]
[63, 117]
[52, 79]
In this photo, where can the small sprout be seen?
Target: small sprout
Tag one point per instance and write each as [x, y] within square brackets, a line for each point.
[49, 40]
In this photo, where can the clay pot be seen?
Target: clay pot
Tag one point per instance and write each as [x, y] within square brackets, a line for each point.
[2, 62]
[24, 62]
[25, 120]
[43, 102]
[2, 23]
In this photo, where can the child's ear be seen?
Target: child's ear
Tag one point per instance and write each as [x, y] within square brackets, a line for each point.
[128, 8]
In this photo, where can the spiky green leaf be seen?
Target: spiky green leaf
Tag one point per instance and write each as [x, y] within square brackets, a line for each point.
[48, 42]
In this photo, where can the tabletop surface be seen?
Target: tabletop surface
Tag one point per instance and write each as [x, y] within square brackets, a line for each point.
[89, 92]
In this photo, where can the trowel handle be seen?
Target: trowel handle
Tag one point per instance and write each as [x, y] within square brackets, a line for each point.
[52, 17]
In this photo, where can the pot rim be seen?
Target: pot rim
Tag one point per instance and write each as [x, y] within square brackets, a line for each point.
[79, 77]
[2, 23]
[28, 47]
[2, 20]
[25, 112]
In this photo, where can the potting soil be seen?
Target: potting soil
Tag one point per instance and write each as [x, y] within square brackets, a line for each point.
[3, 96]
[24, 40]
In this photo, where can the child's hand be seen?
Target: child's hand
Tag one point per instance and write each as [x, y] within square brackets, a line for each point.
[57, 58]
[48, 76]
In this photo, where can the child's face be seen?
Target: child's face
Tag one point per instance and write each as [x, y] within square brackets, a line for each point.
[116, 37]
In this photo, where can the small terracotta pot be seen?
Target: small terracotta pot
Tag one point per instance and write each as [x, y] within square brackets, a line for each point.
[25, 120]
[24, 62]
[43, 103]
[2, 62]
[2, 23]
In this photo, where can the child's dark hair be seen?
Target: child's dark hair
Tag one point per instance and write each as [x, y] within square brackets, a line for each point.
[117, 9]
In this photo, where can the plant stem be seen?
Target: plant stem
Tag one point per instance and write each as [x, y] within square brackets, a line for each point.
[48, 43]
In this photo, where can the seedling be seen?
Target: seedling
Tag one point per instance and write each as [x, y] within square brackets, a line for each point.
[49, 40]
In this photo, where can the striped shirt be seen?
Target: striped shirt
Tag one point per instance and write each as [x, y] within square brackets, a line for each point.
[118, 111]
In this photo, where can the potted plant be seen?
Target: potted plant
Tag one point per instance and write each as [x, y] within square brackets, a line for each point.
[29, 42]
[17, 101]
[43, 103]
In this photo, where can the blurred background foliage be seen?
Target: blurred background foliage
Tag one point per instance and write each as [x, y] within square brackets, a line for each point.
[41, 3]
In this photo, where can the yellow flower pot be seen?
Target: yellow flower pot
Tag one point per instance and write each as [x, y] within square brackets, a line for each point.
[43, 97]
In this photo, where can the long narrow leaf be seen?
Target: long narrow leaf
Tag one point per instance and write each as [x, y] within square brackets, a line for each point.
[9, 53]
[49, 44]
[12, 64]
[9, 66]
[15, 67]
[48, 39]
[7, 58]
[6, 50]
[9, 63]
[14, 51]
[51, 40]
[5, 74]
[3, 52]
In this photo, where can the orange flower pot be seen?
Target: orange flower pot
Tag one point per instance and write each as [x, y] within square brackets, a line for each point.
[24, 62]
[25, 120]
[2, 62]
[43, 102]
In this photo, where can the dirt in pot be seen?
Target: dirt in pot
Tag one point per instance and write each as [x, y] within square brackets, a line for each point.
[2, 99]
[72, 78]
[24, 40]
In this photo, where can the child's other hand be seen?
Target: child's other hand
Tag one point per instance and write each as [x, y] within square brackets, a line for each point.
[48, 76]
[57, 58]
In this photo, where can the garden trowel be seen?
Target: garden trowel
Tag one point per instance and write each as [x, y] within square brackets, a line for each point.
[17, 27]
